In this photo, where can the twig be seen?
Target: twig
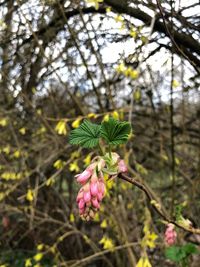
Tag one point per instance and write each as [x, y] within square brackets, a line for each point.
[156, 206]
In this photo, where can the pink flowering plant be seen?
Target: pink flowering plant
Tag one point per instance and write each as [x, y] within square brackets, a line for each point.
[170, 234]
[104, 136]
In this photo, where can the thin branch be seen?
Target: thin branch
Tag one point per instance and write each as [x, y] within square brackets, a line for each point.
[156, 206]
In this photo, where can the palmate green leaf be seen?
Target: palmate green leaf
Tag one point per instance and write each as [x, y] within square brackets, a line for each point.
[115, 132]
[175, 253]
[178, 253]
[86, 135]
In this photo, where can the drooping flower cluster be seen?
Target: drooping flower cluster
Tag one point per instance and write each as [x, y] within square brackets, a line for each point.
[92, 191]
[92, 183]
[170, 234]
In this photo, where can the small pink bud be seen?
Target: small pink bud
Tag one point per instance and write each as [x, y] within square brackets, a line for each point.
[170, 234]
[81, 204]
[87, 196]
[94, 188]
[122, 166]
[95, 203]
[100, 196]
[84, 176]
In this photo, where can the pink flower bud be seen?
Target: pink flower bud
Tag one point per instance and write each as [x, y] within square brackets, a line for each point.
[94, 188]
[81, 204]
[95, 203]
[170, 234]
[99, 196]
[87, 196]
[83, 177]
[122, 166]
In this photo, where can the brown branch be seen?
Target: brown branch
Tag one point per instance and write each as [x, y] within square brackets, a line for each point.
[156, 206]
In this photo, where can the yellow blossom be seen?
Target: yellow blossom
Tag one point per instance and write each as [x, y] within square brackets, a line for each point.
[38, 256]
[6, 149]
[115, 115]
[71, 218]
[74, 166]
[106, 117]
[133, 33]
[50, 181]
[134, 74]
[17, 154]
[143, 262]
[94, 3]
[96, 217]
[76, 123]
[107, 243]
[22, 130]
[11, 176]
[120, 68]
[75, 154]
[53, 249]
[92, 115]
[30, 195]
[28, 262]
[175, 83]
[40, 246]
[137, 95]
[104, 224]
[3, 122]
[61, 128]
[108, 9]
[59, 164]
[177, 161]
[119, 18]
[87, 160]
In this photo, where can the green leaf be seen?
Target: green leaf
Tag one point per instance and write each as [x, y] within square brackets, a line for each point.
[178, 253]
[86, 135]
[190, 248]
[115, 132]
[175, 253]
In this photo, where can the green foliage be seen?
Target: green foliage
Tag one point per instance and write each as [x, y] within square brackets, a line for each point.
[115, 132]
[86, 135]
[112, 131]
[180, 253]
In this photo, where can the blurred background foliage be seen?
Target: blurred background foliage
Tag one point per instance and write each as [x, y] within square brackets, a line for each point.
[62, 61]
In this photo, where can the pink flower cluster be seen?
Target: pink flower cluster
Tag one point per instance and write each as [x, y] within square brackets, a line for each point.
[92, 191]
[93, 186]
[170, 234]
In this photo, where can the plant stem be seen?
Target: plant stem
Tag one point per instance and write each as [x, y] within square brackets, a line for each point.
[100, 150]
[110, 151]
